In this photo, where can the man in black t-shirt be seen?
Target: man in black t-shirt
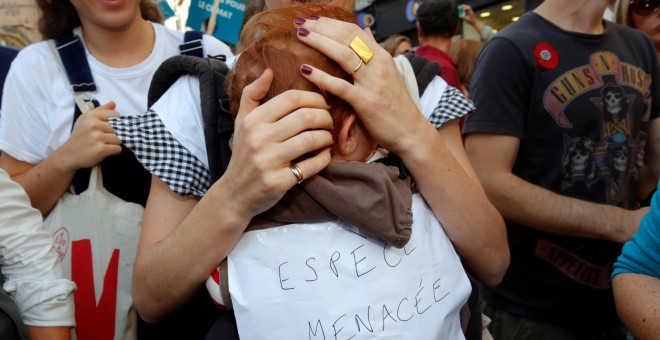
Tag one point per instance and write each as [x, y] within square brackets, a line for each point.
[565, 114]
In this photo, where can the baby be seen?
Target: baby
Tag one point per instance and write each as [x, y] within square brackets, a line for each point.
[381, 196]
[271, 42]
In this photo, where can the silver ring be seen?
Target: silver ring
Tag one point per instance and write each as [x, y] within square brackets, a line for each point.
[297, 172]
[357, 67]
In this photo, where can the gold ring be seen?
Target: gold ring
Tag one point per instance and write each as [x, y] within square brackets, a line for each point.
[362, 50]
[297, 172]
[357, 67]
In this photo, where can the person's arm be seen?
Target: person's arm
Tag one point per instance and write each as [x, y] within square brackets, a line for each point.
[184, 239]
[493, 157]
[32, 272]
[636, 282]
[49, 333]
[479, 237]
[380, 99]
[638, 303]
[92, 140]
[485, 32]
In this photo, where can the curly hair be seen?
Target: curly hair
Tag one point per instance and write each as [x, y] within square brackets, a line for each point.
[59, 16]
[271, 41]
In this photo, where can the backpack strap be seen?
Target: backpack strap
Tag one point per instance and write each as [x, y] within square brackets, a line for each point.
[214, 100]
[73, 59]
[424, 69]
[192, 44]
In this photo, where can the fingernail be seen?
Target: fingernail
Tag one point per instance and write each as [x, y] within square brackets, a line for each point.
[306, 70]
[314, 17]
[303, 32]
[332, 152]
[299, 21]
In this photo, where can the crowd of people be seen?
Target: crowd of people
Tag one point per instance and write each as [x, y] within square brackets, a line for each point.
[454, 189]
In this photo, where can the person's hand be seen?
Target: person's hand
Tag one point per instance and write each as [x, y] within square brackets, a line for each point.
[92, 139]
[468, 14]
[268, 138]
[471, 18]
[378, 93]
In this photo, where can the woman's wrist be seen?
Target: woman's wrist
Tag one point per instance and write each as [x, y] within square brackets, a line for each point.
[228, 206]
[420, 147]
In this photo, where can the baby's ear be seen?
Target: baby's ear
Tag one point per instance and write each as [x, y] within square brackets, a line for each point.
[346, 141]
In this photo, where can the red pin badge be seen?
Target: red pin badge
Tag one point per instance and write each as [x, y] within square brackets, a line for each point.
[546, 56]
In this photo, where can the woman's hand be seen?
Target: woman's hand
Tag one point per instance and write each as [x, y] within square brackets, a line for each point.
[92, 139]
[378, 93]
[436, 161]
[269, 137]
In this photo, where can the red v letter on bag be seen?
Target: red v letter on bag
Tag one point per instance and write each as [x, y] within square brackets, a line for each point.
[92, 321]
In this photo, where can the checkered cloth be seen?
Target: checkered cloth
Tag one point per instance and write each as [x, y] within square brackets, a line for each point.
[452, 105]
[161, 154]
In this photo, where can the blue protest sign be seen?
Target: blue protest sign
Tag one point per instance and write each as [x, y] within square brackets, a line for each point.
[165, 9]
[227, 23]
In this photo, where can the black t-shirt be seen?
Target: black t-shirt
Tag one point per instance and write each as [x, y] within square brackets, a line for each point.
[581, 106]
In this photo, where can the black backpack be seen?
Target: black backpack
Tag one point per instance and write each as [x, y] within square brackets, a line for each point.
[218, 129]
[218, 121]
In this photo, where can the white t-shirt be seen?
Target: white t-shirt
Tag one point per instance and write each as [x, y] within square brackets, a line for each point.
[38, 106]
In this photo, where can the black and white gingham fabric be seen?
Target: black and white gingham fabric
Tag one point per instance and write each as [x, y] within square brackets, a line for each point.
[161, 154]
[452, 105]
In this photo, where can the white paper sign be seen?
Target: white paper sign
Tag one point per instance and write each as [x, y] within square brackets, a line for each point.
[325, 281]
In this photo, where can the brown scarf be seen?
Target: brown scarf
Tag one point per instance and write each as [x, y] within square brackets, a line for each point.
[369, 196]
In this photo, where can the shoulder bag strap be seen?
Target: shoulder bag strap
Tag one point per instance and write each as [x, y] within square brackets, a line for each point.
[65, 57]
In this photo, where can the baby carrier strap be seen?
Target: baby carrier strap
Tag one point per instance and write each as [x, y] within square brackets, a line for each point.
[214, 100]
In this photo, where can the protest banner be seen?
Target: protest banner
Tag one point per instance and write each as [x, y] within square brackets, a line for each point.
[221, 18]
[327, 281]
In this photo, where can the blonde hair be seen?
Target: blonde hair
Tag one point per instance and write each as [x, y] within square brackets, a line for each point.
[392, 42]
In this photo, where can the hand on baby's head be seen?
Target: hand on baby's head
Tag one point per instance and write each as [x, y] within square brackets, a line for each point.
[270, 40]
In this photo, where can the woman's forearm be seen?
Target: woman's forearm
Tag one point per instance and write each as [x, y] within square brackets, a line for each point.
[183, 240]
[471, 222]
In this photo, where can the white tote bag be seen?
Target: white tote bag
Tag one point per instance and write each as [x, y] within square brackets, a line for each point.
[96, 236]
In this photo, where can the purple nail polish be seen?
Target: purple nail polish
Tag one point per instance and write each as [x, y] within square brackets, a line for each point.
[303, 32]
[314, 17]
[306, 70]
[299, 21]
